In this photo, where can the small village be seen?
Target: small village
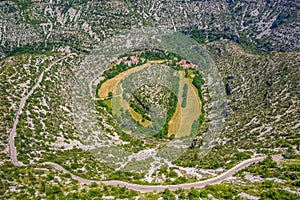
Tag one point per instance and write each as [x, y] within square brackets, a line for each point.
[135, 60]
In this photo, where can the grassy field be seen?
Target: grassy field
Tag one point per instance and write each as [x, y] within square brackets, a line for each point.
[181, 123]
[138, 117]
[119, 104]
[174, 123]
[111, 84]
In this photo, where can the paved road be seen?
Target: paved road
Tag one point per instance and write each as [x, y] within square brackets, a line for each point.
[151, 188]
[136, 187]
[11, 140]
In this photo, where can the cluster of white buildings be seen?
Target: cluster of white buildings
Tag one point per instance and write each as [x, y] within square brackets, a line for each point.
[184, 64]
[132, 60]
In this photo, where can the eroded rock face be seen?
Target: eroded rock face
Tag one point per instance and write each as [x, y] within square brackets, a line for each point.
[47, 25]
[266, 25]
[261, 111]
[243, 21]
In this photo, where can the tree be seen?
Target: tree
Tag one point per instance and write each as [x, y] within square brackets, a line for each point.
[194, 194]
[168, 195]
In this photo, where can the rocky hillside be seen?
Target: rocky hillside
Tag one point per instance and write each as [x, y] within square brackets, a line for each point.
[264, 25]
[254, 43]
[262, 108]
[80, 24]
[38, 25]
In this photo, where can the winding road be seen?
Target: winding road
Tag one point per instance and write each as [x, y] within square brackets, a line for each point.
[13, 131]
[151, 188]
[140, 188]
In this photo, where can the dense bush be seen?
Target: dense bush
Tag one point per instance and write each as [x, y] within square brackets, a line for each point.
[184, 96]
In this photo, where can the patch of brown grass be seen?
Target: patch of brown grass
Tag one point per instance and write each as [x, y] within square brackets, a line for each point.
[181, 122]
[111, 84]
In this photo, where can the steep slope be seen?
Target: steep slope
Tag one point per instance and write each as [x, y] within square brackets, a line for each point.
[43, 43]
[35, 25]
[262, 108]
[263, 25]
